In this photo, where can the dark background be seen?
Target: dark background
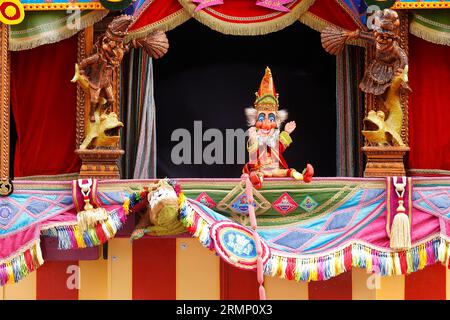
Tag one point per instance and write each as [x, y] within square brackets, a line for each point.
[212, 77]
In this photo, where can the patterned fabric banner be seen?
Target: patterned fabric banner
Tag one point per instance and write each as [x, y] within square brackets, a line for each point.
[309, 232]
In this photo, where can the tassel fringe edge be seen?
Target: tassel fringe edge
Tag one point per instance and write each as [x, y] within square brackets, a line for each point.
[384, 263]
[18, 267]
[71, 237]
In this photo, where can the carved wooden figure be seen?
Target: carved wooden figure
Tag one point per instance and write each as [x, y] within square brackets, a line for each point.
[96, 73]
[386, 80]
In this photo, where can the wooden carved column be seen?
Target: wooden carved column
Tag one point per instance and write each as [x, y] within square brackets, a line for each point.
[5, 183]
[389, 160]
[98, 163]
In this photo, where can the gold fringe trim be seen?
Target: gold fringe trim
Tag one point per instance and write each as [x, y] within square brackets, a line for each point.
[247, 29]
[318, 24]
[166, 24]
[428, 34]
[429, 171]
[52, 36]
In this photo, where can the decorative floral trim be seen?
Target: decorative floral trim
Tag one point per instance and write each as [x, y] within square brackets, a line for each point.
[19, 266]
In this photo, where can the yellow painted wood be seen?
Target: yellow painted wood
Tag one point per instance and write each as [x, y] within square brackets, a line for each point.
[25, 289]
[391, 288]
[447, 282]
[93, 279]
[363, 285]
[283, 289]
[198, 271]
[120, 269]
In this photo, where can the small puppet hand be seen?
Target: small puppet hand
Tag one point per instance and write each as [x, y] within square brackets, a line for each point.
[290, 126]
[252, 134]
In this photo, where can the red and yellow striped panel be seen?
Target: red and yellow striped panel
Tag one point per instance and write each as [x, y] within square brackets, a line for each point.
[169, 268]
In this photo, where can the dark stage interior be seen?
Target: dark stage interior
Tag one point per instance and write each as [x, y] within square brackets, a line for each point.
[210, 77]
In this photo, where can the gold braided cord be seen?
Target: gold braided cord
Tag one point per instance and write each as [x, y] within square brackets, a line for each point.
[4, 94]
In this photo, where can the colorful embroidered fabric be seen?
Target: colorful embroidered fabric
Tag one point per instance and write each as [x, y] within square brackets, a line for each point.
[47, 208]
[337, 223]
[351, 233]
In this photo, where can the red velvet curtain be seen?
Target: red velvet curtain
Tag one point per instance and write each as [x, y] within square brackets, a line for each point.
[43, 102]
[429, 115]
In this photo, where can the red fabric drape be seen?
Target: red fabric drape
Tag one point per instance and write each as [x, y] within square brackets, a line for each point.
[429, 109]
[243, 12]
[334, 13]
[154, 12]
[43, 102]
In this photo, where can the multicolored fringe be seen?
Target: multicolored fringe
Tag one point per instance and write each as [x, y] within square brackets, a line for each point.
[196, 225]
[70, 236]
[25, 262]
[137, 201]
[384, 263]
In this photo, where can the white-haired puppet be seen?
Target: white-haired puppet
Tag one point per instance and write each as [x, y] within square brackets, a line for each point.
[266, 143]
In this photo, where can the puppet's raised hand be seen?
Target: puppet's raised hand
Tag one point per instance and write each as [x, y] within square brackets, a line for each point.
[252, 134]
[290, 126]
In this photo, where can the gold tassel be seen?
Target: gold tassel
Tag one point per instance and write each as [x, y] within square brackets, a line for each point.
[89, 217]
[401, 232]
[401, 229]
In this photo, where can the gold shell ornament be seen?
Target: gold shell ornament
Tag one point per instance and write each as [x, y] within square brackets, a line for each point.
[333, 39]
[155, 44]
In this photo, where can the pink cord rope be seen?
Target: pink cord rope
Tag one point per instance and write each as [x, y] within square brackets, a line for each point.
[251, 212]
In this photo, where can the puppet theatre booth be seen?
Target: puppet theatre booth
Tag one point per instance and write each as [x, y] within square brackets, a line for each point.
[229, 149]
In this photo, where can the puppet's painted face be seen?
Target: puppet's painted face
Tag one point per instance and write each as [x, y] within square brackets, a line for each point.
[266, 123]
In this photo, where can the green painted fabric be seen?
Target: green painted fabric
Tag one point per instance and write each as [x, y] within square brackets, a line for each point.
[431, 25]
[325, 197]
[43, 27]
